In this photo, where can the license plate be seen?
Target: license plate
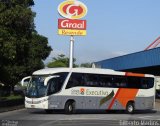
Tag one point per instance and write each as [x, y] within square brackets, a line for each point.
[32, 106]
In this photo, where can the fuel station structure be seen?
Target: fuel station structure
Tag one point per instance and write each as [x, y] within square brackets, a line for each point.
[147, 61]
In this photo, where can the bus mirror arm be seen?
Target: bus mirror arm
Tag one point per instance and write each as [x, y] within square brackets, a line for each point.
[49, 78]
[25, 78]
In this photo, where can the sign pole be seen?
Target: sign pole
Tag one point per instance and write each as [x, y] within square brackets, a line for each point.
[70, 25]
[71, 52]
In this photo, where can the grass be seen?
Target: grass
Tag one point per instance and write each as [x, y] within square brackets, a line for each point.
[12, 97]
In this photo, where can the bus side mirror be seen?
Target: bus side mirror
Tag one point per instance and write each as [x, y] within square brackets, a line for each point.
[48, 78]
[25, 80]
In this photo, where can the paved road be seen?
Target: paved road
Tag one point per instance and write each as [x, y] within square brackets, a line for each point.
[34, 117]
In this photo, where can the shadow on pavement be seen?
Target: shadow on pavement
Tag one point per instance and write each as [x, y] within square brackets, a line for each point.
[36, 111]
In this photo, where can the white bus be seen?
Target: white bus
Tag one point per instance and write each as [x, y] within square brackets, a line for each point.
[157, 81]
[89, 88]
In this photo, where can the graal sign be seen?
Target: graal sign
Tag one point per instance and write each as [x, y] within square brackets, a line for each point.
[72, 9]
[71, 24]
[71, 27]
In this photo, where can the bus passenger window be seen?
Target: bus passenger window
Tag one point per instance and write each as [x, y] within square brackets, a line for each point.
[144, 84]
[120, 82]
[92, 80]
[105, 81]
[52, 86]
[147, 83]
[134, 82]
[75, 80]
[55, 84]
[150, 82]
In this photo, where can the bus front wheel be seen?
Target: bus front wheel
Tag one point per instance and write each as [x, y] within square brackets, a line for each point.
[70, 107]
[130, 108]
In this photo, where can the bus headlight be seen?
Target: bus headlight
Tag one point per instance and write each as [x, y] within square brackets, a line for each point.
[43, 100]
[36, 102]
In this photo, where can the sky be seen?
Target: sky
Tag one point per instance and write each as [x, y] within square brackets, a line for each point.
[114, 28]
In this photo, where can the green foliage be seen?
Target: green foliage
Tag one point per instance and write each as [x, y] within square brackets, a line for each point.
[87, 65]
[60, 61]
[22, 49]
[12, 97]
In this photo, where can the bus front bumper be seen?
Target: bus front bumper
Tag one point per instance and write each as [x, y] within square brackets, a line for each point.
[40, 103]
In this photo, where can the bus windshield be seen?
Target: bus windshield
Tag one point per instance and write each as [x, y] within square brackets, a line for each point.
[37, 89]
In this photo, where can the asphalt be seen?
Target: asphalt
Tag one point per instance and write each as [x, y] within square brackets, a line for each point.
[25, 117]
[35, 117]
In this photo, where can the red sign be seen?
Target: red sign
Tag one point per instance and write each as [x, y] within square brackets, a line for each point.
[72, 9]
[72, 24]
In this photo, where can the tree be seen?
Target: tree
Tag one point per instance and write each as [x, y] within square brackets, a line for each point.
[87, 65]
[61, 61]
[22, 49]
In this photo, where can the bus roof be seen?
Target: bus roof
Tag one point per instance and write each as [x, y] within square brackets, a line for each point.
[48, 71]
[79, 70]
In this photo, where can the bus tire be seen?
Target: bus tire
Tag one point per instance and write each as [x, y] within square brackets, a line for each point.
[130, 107]
[70, 107]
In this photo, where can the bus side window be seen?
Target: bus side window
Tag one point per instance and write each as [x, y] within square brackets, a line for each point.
[134, 82]
[92, 80]
[52, 87]
[120, 82]
[144, 83]
[75, 80]
[106, 81]
[151, 82]
[147, 83]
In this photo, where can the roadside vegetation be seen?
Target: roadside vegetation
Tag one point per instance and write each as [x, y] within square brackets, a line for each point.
[63, 61]
[22, 49]
[12, 97]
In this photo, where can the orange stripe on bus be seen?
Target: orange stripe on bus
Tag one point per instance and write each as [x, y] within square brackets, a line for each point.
[124, 95]
[134, 74]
